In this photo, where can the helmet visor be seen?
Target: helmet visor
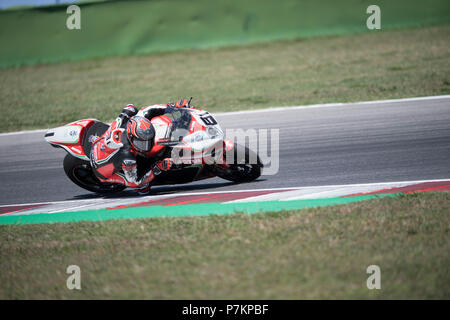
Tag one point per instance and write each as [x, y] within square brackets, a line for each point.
[142, 145]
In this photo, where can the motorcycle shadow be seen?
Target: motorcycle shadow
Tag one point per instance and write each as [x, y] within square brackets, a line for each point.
[161, 190]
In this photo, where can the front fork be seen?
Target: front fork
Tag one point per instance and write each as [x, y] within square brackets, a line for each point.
[228, 145]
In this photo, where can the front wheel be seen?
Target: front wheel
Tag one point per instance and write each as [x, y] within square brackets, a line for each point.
[80, 172]
[243, 169]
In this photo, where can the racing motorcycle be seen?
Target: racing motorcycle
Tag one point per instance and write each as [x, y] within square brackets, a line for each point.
[191, 136]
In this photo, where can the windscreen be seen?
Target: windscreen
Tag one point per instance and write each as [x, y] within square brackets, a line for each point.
[181, 121]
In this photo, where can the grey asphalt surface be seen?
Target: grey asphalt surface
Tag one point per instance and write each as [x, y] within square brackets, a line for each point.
[352, 143]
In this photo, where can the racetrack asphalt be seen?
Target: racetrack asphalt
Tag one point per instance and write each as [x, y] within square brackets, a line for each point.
[319, 145]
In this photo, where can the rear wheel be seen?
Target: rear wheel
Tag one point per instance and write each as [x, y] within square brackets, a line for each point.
[243, 168]
[80, 172]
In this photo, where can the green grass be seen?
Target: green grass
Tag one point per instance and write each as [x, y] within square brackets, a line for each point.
[377, 65]
[311, 253]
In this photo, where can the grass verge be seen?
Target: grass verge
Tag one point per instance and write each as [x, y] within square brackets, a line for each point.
[310, 253]
[378, 65]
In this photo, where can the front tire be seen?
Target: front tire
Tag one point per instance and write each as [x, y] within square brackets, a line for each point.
[80, 172]
[242, 170]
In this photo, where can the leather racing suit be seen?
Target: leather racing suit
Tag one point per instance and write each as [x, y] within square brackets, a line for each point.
[113, 157]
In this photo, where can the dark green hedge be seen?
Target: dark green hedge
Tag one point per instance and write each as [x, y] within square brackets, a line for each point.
[39, 35]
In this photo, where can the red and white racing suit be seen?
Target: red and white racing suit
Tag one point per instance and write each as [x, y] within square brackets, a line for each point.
[113, 159]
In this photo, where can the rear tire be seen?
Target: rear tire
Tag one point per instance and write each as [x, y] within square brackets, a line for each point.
[242, 170]
[80, 172]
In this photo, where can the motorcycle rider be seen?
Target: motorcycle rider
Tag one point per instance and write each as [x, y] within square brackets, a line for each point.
[113, 155]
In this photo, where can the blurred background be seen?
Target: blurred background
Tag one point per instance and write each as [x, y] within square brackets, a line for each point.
[15, 3]
[229, 55]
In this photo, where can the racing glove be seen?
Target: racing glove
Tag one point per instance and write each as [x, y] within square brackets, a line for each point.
[183, 103]
[163, 165]
[129, 111]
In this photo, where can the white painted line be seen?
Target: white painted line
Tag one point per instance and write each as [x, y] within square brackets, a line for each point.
[307, 192]
[72, 208]
[275, 196]
[321, 192]
[22, 132]
[339, 192]
[154, 197]
[277, 109]
[143, 198]
[328, 105]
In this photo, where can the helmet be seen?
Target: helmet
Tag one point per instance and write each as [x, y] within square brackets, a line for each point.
[140, 133]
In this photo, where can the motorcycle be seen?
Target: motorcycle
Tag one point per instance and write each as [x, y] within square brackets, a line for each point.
[191, 136]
